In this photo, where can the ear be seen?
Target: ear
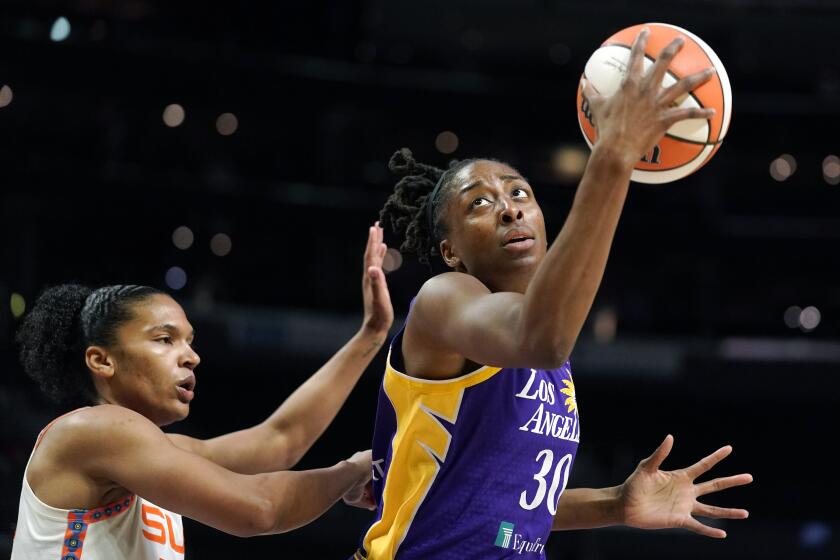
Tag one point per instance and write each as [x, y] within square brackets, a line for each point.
[100, 362]
[447, 251]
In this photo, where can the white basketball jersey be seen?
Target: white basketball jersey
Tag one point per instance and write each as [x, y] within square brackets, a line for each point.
[129, 529]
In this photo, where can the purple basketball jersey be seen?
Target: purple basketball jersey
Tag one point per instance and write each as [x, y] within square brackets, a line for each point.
[470, 467]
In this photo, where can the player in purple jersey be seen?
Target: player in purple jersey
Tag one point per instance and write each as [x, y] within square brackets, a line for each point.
[477, 416]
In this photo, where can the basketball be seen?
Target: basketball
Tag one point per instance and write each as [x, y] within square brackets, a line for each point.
[688, 144]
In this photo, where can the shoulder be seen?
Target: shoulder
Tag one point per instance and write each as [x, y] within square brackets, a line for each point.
[441, 296]
[97, 430]
[449, 285]
[440, 305]
[75, 454]
[101, 419]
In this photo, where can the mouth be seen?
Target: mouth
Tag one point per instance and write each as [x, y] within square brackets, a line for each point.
[186, 389]
[518, 240]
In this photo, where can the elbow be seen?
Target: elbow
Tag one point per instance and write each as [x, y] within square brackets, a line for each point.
[260, 520]
[546, 354]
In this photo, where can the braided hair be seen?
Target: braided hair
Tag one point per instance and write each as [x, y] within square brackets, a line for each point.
[413, 211]
[64, 321]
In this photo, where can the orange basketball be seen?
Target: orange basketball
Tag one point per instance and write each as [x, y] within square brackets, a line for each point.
[688, 144]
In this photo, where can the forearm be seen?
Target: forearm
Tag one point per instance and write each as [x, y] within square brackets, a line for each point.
[588, 508]
[307, 412]
[561, 293]
[300, 497]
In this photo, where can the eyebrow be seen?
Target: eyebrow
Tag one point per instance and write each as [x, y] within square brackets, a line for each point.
[502, 177]
[171, 328]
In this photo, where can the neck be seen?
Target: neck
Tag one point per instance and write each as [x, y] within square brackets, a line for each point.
[511, 281]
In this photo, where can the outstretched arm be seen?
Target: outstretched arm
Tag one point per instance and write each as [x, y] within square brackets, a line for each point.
[115, 444]
[651, 498]
[280, 441]
[458, 314]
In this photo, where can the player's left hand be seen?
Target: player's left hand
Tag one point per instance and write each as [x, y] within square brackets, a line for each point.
[656, 499]
[378, 311]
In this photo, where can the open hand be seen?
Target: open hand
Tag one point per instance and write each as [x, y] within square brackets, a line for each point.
[379, 314]
[656, 499]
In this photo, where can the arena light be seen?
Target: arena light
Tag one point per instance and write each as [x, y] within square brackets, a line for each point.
[173, 115]
[809, 319]
[814, 534]
[569, 162]
[183, 238]
[176, 278]
[605, 325]
[5, 95]
[783, 167]
[60, 29]
[446, 142]
[221, 244]
[226, 124]
[392, 260]
[831, 170]
[17, 304]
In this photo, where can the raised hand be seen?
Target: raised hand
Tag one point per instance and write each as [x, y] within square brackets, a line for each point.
[656, 499]
[379, 314]
[634, 119]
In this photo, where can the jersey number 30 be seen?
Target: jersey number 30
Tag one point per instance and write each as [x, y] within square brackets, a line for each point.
[561, 469]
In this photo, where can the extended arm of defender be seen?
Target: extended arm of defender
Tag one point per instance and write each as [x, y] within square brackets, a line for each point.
[129, 450]
[280, 441]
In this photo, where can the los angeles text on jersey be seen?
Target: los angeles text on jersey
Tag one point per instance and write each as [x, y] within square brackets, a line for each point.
[545, 421]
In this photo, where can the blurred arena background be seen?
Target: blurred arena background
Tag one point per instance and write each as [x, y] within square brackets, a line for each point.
[235, 154]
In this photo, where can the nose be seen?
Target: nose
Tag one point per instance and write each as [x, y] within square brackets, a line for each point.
[190, 359]
[509, 212]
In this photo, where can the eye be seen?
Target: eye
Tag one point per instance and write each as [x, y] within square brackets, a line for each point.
[479, 202]
[519, 193]
[165, 339]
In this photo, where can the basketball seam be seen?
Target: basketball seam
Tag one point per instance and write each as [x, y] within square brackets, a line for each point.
[712, 58]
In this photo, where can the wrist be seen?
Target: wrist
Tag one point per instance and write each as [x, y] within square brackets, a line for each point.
[613, 156]
[356, 473]
[618, 508]
[370, 334]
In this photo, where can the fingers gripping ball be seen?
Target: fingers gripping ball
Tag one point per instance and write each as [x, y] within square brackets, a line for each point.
[688, 144]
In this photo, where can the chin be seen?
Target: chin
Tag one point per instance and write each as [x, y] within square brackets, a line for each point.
[178, 413]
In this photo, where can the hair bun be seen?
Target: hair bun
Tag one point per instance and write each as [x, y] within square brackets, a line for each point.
[402, 162]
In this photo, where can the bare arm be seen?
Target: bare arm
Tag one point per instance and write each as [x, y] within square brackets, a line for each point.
[460, 315]
[588, 508]
[126, 448]
[281, 440]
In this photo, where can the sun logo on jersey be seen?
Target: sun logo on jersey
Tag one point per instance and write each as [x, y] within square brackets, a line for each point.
[569, 391]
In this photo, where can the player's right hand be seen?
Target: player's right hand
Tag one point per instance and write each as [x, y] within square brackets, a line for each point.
[633, 120]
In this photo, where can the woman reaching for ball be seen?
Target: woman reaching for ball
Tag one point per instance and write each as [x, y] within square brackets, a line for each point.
[477, 425]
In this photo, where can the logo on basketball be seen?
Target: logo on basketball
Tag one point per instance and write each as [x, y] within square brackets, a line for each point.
[653, 155]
